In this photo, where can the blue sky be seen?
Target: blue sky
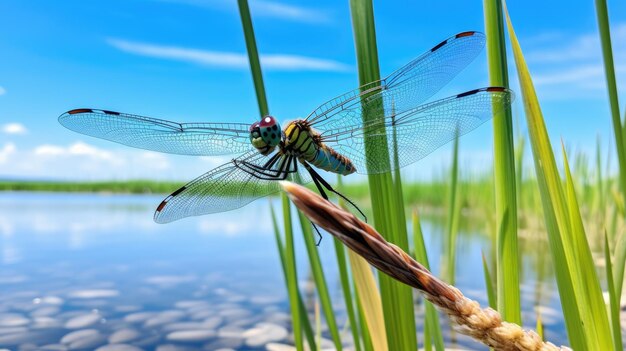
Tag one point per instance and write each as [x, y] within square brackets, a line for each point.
[185, 60]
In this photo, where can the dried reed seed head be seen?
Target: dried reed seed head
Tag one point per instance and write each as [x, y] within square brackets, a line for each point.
[484, 325]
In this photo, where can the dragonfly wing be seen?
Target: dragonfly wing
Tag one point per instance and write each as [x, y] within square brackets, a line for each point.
[200, 139]
[416, 132]
[229, 186]
[408, 87]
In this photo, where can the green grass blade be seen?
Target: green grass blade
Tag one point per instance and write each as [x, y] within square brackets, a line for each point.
[614, 306]
[599, 201]
[396, 298]
[344, 277]
[428, 345]
[539, 327]
[253, 56]
[552, 198]
[519, 168]
[432, 324]
[320, 280]
[370, 301]
[318, 324]
[292, 276]
[620, 263]
[609, 71]
[306, 324]
[454, 211]
[340, 253]
[593, 307]
[363, 328]
[491, 292]
[508, 262]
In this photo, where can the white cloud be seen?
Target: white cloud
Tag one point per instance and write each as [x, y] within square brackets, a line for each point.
[263, 8]
[566, 48]
[49, 150]
[588, 75]
[13, 128]
[7, 150]
[76, 149]
[573, 65]
[157, 160]
[2, 91]
[227, 59]
[82, 161]
[278, 10]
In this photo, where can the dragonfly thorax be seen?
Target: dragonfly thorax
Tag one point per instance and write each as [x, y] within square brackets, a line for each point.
[265, 135]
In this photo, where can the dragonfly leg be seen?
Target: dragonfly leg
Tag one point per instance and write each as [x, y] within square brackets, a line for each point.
[272, 161]
[260, 172]
[322, 192]
[317, 178]
[314, 175]
[319, 241]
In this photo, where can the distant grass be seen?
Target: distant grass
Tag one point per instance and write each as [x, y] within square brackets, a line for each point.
[430, 194]
[128, 187]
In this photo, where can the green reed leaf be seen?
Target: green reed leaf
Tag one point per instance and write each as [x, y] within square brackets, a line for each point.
[508, 262]
[614, 307]
[432, 327]
[320, 280]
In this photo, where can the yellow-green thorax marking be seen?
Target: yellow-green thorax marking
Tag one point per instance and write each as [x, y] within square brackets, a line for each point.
[307, 144]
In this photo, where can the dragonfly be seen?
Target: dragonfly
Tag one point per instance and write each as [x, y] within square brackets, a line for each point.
[354, 132]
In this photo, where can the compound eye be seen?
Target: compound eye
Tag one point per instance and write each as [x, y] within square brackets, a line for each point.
[254, 126]
[270, 130]
[268, 122]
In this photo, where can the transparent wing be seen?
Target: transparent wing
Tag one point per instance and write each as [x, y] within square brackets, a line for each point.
[416, 132]
[409, 86]
[200, 139]
[230, 186]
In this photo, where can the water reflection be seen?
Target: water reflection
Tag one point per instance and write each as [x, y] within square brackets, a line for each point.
[84, 271]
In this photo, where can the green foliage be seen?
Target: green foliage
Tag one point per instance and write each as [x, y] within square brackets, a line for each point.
[320, 280]
[292, 275]
[432, 327]
[306, 324]
[609, 70]
[340, 252]
[396, 298]
[129, 186]
[614, 307]
[489, 286]
[454, 213]
[579, 288]
[507, 268]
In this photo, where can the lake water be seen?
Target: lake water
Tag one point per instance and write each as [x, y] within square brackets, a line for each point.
[85, 272]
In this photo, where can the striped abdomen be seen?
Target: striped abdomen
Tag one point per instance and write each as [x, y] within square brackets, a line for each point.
[306, 143]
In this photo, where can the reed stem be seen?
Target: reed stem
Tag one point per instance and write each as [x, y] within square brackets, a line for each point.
[508, 262]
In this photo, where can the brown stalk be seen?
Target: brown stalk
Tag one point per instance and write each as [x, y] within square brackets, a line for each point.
[483, 324]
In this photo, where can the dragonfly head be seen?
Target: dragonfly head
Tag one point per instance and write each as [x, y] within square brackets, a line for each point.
[265, 135]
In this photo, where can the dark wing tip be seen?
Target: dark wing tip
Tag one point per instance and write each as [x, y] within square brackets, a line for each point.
[439, 45]
[488, 89]
[458, 36]
[159, 209]
[499, 89]
[468, 93]
[157, 214]
[507, 91]
[468, 34]
[75, 111]
[79, 110]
